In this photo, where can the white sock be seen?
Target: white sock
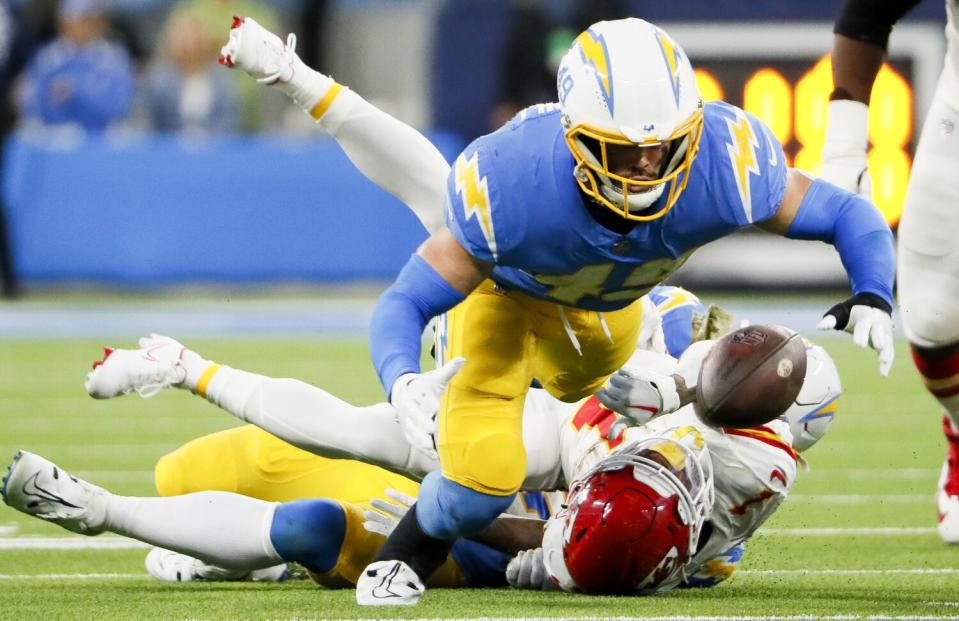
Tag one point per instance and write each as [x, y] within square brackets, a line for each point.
[194, 365]
[220, 528]
[312, 419]
[307, 87]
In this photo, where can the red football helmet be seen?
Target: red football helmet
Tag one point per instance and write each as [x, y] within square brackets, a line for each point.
[633, 521]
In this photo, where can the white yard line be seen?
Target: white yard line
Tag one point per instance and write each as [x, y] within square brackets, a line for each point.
[72, 576]
[851, 572]
[871, 473]
[71, 543]
[698, 618]
[888, 531]
[861, 499]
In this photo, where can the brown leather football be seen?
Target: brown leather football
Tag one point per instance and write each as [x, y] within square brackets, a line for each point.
[751, 376]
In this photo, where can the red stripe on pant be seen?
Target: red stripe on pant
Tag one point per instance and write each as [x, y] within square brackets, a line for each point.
[936, 364]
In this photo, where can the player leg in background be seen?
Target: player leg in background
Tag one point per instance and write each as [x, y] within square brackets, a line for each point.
[251, 462]
[230, 531]
[301, 414]
[254, 463]
[928, 277]
[247, 460]
[226, 536]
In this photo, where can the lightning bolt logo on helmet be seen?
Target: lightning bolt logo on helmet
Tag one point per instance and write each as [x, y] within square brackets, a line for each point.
[672, 56]
[592, 48]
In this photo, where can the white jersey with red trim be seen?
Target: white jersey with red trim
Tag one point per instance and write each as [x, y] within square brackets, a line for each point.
[753, 468]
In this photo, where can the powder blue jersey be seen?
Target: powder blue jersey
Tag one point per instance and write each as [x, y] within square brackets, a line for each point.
[513, 201]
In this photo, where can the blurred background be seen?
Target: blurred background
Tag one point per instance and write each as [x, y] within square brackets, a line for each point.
[133, 163]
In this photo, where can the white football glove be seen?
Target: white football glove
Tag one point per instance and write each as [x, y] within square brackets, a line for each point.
[387, 514]
[651, 334]
[844, 161]
[527, 571]
[416, 397]
[867, 317]
[640, 394]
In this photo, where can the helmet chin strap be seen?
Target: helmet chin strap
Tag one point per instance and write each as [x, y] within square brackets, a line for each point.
[636, 201]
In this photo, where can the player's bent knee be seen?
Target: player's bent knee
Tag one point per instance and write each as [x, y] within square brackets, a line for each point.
[493, 464]
[931, 331]
[169, 475]
[447, 510]
[309, 532]
[204, 464]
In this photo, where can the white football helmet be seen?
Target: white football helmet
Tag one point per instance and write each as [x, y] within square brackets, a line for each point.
[815, 407]
[626, 82]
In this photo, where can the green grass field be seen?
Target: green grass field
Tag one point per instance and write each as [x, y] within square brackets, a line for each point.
[821, 556]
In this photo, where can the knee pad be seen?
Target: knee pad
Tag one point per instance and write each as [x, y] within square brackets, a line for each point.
[448, 510]
[492, 463]
[309, 532]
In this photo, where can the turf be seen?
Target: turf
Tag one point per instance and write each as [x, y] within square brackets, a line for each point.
[877, 468]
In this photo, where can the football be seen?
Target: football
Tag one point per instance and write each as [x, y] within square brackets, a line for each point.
[750, 376]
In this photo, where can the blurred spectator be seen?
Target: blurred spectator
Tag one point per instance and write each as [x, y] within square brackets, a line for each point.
[18, 38]
[537, 42]
[259, 108]
[185, 90]
[79, 79]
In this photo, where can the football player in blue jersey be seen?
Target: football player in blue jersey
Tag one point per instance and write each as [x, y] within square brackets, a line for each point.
[556, 225]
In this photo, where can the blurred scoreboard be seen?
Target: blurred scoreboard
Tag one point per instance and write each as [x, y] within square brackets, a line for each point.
[783, 75]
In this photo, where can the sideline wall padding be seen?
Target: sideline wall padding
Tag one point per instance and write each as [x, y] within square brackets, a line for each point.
[161, 210]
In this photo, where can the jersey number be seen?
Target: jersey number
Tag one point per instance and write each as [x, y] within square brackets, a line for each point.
[590, 281]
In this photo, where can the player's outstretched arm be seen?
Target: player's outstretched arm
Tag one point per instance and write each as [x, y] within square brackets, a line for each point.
[434, 280]
[859, 47]
[816, 209]
[387, 151]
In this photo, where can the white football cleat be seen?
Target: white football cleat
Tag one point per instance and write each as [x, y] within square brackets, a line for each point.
[947, 491]
[38, 487]
[148, 370]
[170, 566]
[388, 583]
[259, 52]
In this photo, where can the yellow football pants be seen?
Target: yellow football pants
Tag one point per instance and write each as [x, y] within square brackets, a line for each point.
[509, 338]
[252, 462]
[249, 461]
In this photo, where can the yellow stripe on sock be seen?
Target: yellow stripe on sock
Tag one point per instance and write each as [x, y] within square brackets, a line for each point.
[205, 379]
[324, 104]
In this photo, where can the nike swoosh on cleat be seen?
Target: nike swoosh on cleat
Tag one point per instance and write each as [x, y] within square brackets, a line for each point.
[385, 584]
[30, 488]
[148, 354]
